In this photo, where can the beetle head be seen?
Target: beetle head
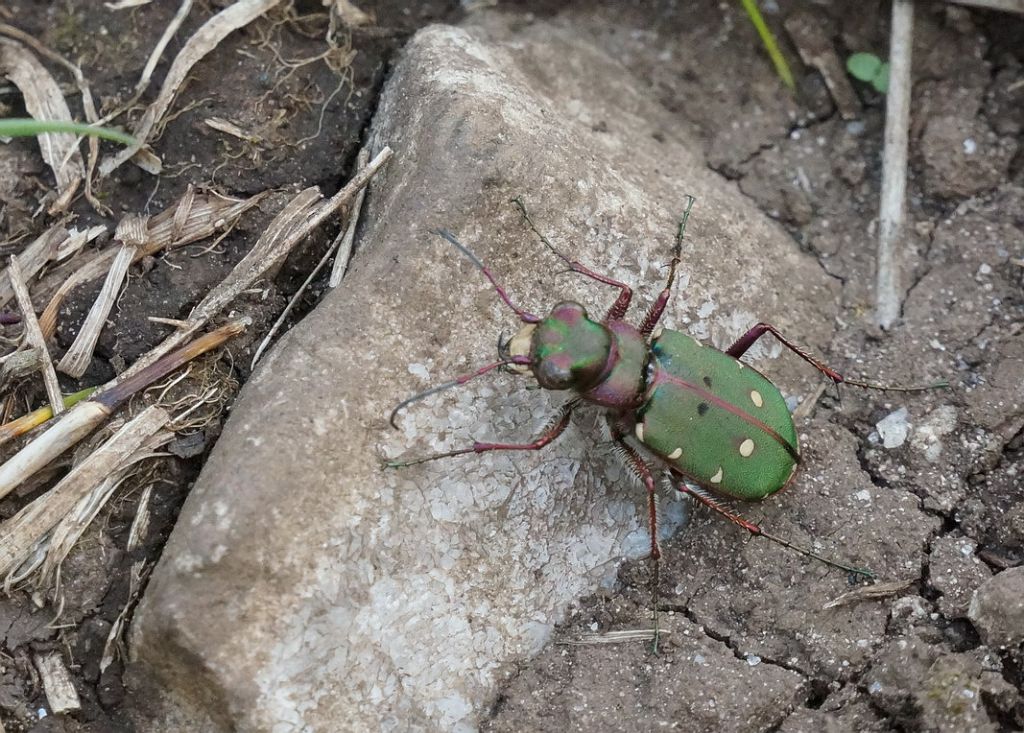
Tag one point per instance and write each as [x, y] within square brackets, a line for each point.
[567, 349]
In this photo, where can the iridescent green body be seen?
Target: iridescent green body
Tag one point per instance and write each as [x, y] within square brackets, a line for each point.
[712, 418]
[716, 419]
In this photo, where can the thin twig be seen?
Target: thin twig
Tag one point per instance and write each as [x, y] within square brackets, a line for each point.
[343, 253]
[894, 164]
[34, 336]
[347, 239]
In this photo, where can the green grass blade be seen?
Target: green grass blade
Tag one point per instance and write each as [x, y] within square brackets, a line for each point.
[28, 127]
[781, 67]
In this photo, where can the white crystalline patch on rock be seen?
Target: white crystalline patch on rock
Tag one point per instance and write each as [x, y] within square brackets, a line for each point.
[420, 371]
[894, 428]
[928, 434]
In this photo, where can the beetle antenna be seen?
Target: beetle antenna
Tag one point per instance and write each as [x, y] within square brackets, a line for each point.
[943, 384]
[525, 360]
[698, 493]
[524, 316]
[518, 201]
[680, 233]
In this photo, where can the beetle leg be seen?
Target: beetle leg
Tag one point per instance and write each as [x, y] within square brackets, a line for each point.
[643, 472]
[747, 340]
[653, 314]
[709, 501]
[618, 310]
[557, 427]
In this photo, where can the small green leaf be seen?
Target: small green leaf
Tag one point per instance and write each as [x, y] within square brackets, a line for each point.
[19, 127]
[865, 66]
[881, 80]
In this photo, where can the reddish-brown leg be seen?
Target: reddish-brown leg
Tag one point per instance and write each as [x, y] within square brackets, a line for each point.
[657, 308]
[643, 472]
[639, 467]
[618, 310]
[709, 501]
[558, 426]
[747, 340]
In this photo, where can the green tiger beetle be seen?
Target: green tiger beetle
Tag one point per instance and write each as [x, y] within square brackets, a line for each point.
[719, 426]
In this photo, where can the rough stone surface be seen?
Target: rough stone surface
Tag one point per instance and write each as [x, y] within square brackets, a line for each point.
[997, 609]
[304, 588]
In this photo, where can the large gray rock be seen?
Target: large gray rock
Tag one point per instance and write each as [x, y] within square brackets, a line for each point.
[306, 589]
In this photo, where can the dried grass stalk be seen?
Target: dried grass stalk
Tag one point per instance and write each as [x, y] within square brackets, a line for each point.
[76, 240]
[45, 101]
[78, 357]
[57, 683]
[18, 365]
[114, 645]
[193, 218]
[140, 525]
[31, 260]
[344, 247]
[88, 106]
[58, 543]
[34, 336]
[84, 417]
[20, 533]
[202, 42]
[34, 419]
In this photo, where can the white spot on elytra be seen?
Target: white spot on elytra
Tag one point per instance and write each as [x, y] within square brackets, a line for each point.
[756, 398]
[717, 478]
[746, 447]
[675, 454]
[640, 432]
[657, 333]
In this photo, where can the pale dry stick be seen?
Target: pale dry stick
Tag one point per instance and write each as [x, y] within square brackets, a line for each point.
[202, 42]
[84, 417]
[79, 355]
[140, 524]
[1009, 6]
[349, 235]
[288, 308]
[869, 592]
[20, 532]
[614, 637]
[57, 683]
[76, 240]
[894, 165]
[34, 336]
[132, 233]
[286, 230]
